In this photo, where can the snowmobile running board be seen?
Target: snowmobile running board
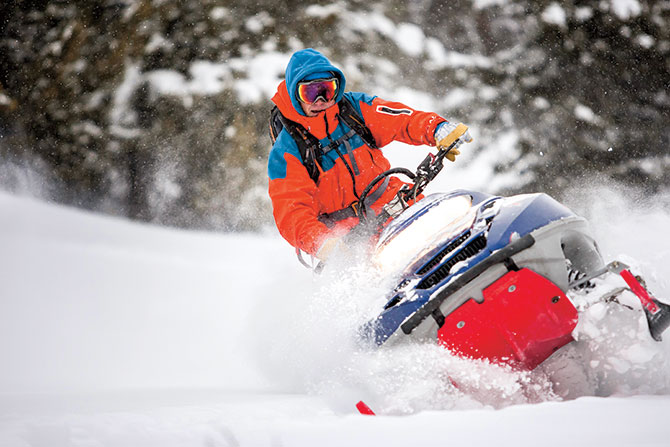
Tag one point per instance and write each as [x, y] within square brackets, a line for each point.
[433, 305]
[657, 312]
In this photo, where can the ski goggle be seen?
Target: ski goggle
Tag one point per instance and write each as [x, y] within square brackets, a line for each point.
[310, 91]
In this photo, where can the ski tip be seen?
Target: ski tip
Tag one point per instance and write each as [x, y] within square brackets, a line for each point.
[364, 409]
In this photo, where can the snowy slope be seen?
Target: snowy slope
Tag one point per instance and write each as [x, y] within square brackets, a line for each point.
[120, 334]
[90, 302]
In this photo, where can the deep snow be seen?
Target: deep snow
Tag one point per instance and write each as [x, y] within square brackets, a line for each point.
[122, 334]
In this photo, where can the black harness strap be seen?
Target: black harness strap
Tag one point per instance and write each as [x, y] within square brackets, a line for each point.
[353, 210]
[352, 119]
[344, 139]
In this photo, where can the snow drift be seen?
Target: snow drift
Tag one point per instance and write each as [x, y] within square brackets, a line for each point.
[115, 332]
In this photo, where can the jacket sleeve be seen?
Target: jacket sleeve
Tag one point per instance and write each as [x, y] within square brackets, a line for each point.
[393, 121]
[293, 196]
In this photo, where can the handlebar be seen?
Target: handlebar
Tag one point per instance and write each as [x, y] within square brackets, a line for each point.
[425, 173]
[378, 179]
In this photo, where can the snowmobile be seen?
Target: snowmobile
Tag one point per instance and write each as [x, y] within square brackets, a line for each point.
[486, 276]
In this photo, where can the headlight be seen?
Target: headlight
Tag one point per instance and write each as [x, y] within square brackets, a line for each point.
[440, 223]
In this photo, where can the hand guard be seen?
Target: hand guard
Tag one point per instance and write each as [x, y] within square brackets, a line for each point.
[447, 134]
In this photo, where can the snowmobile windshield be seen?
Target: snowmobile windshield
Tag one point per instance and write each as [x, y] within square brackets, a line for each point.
[442, 222]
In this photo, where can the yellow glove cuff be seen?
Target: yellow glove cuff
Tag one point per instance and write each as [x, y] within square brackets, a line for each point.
[454, 135]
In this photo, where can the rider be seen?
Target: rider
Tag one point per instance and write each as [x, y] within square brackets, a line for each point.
[314, 215]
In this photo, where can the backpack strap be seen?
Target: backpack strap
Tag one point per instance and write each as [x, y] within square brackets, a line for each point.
[354, 210]
[308, 145]
[354, 120]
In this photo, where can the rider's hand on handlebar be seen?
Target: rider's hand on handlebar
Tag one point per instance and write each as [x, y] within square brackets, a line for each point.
[448, 134]
[329, 246]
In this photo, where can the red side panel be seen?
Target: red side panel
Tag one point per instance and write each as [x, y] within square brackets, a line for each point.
[524, 318]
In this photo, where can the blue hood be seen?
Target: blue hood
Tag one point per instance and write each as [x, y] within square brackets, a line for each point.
[303, 65]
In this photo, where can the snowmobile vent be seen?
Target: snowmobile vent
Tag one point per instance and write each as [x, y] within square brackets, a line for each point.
[443, 253]
[471, 249]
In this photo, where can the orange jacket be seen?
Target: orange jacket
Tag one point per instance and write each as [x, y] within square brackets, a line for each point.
[297, 201]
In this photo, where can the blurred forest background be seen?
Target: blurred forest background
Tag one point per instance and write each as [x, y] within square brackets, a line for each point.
[157, 109]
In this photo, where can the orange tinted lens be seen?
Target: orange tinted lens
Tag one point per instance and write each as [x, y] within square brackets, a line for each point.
[309, 92]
